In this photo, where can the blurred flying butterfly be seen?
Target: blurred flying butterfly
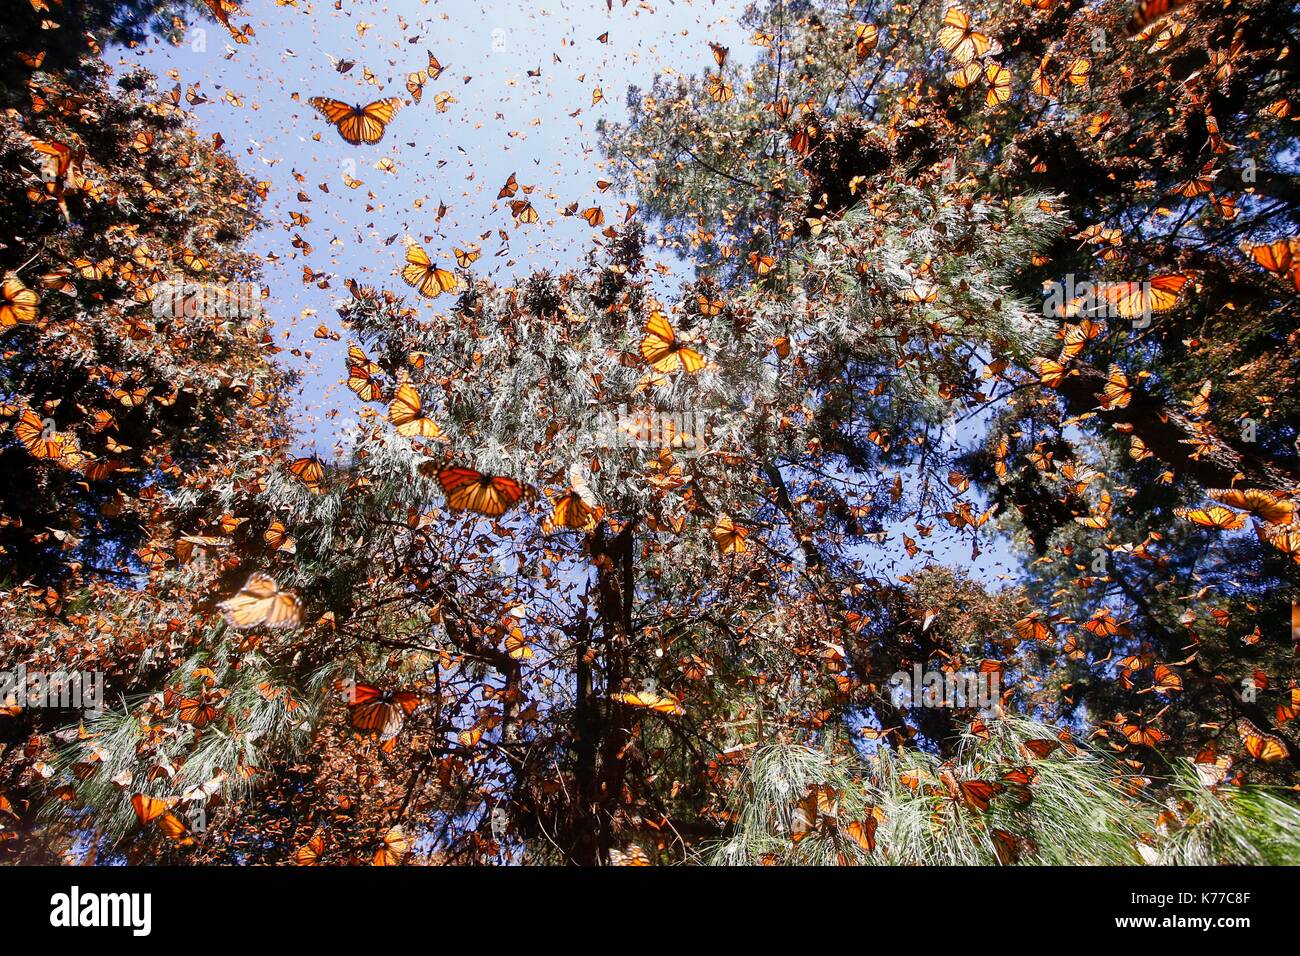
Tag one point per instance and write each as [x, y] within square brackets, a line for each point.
[659, 703]
[394, 848]
[260, 602]
[961, 41]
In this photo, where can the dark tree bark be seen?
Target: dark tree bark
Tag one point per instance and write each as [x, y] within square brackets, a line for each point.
[1167, 432]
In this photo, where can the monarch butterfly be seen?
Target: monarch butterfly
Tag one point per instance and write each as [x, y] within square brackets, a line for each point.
[1272, 509]
[1017, 782]
[595, 216]
[1288, 543]
[358, 124]
[695, 667]
[310, 852]
[1270, 748]
[39, 437]
[863, 832]
[1277, 257]
[659, 703]
[975, 794]
[719, 89]
[509, 189]
[309, 471]
[424, 277]
[464, 257]
[634, 855]
[1141, 733]
[663, 351]
[277, 537]
[394, 848]
[174, 828]
[1103, 624]
[817, 809]
[260, 601]
[1050, 372]
[1033, 627]
[1133, 299]
[523, 210]
[1150, 11]
[999, 79]
[1041, 748]
[133, 396]
[1078, 70]
[361, 375]
[730, 536]
[383, 711]
[1211, 771]
[572, 511]
[196, 711]
[1291, 710]
[194, 262]
[222, 9]
[960, 39]
[1216, 517]
[1101, 517]
[148, 809]
[415, 84]
[709, 307]
[967, 75]
[1166, 680]
[94, 271]
[1117, 392]
[470, 490]
[17, 302]
[1200, 404]
[406, 413]
[868, 35]
[1040, 82]
[1008, 846]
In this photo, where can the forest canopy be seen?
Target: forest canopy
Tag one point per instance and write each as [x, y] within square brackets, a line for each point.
[901, 468]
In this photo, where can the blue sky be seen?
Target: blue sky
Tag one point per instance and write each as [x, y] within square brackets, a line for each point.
[543, 128]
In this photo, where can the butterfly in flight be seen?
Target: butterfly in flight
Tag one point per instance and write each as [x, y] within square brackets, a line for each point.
[407, 414]
[664, 351]
[382, 712]
[424, 277]
[659, 703]
[358, 124]
[960, 39]
[260, 601]
[470, 490]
